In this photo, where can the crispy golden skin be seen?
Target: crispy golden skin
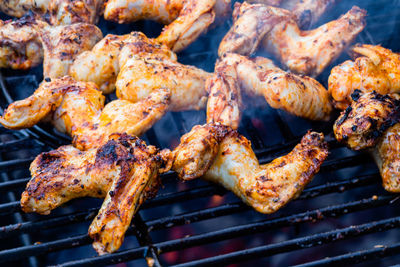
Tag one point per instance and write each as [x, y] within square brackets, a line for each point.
[198, 149]
[66, 12]
[299, 95]
[265, 187]
[77, 108]
[101, 65]
[387, 156]
[18, 8]
[376, 69]
[187, 19]
[304, 52]
[20, 44]
[62, 12]
[124, 170]
[62, 44]
[143, 73]
[368, 117]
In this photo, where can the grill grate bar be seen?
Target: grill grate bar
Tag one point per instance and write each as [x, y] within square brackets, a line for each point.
[298, 243]
[357, 257]
[334, 211]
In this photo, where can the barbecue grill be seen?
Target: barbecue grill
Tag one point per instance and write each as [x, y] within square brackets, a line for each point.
[344, 216]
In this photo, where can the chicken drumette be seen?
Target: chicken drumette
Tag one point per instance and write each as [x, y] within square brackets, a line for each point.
[77, 108]
[186, 19]
[304, 52]
[60, 11]
[124, 171]
[142, 73]
[299, 95]
[372, 121]
[375, 69]
[25, 41]
[225, 157]
[101, 64]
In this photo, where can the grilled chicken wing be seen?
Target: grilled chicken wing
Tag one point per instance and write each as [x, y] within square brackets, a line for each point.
[187, 19]
[20, 44]
[376, 69]
[198, 149]
[101, 66]
[62, 44]
[387, 156]
[368, 117]
[304, 52]
[143, 73]
[264, 187]
[124, 171]
[299, 95]
[76, 108]
[63, 12]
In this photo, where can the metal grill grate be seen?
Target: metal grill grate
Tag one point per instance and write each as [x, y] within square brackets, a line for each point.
[344, 214]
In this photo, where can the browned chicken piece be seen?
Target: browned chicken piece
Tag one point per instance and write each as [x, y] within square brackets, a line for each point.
[368, 117]
[20, 44]
[62, 44]
[142, 73]
[138, 181]
[64, 12]
[298, 95]
[307, 12]
[251, 24]
[266, 187]
[18, 8]
[377, 69]
[387, 156]
[303, 52]
[101, 66]
[77, 108]
[187, 19]
[198, 149]
[124, 171]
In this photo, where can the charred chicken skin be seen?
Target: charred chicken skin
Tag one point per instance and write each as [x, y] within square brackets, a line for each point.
[101, 64]
[232, 163]
[368, 117]
[142, 73]
[187, 19]
[299, 95]
[62, 12]
[25, 41]
[307, 12]
[77, 108]
[303, 52]
[375, 69]
[124, 171]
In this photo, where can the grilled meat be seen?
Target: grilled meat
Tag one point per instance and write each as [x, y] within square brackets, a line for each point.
[377, 69]
[62, 44]
[307, 12]
[101, 66]
[77, 108]
[124, 171]
[264, 187]
[63, 12]
[368, 117]
[299, 95]
[20, 43]
[198, 149]
[387, 156]
[25, 41]
[187, 19]
[142, 73]
[304, 52]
